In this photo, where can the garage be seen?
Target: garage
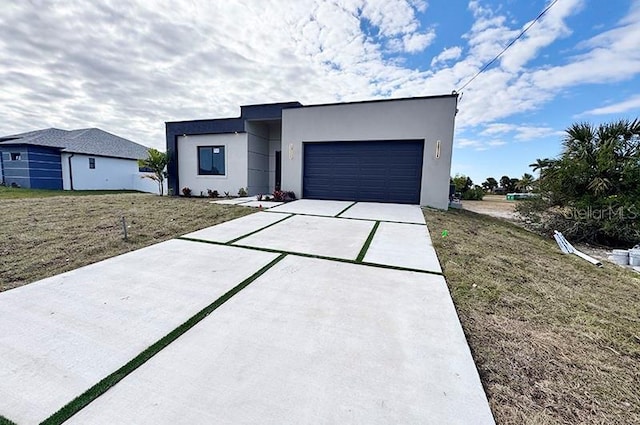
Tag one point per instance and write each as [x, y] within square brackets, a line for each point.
[373, 171]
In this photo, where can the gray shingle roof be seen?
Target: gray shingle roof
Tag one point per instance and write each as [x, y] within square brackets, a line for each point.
[90, 141]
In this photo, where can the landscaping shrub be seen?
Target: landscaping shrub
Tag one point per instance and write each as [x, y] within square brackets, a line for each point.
[591, 192]
[186, 191]
[283, 196]
[474, 194]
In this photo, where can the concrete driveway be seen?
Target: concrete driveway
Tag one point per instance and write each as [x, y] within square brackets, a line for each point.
[308, 312]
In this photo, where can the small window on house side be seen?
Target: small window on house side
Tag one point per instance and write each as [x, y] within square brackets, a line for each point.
[15, 156]
[211, 160]
[92, 163]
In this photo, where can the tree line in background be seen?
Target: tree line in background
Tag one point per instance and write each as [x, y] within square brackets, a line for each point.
[466, 189]
[591, 192]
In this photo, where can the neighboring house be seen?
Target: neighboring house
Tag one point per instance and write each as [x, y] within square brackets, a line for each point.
[395, 150]
[86, 159]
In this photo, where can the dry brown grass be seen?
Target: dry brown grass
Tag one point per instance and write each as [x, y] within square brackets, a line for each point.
[493, 205]
[44, 236]
[556, 340]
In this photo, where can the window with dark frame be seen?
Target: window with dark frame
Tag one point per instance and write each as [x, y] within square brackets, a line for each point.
[92, 163]
[15, 156]
[211, 161]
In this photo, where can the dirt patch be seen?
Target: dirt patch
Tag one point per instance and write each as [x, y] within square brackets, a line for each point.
[493, 205]
[556, 339]
[42, 237]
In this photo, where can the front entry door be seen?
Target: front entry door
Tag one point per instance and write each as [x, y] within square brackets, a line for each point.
[278, 170]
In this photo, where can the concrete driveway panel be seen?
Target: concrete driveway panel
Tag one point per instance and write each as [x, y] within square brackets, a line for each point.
[233, 229]
[312, 342]
[313, 207]
[61, 335]
[324, 236]
[385, 212]
[403, 245]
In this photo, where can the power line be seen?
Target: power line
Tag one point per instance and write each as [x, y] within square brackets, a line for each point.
[509, 45]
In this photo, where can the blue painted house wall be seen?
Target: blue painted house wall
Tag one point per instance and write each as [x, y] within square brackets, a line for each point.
[38, 167]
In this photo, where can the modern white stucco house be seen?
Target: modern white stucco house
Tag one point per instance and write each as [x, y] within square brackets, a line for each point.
[396, 150]
[85, 159]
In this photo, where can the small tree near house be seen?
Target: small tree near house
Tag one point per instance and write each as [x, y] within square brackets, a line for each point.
[156, 162]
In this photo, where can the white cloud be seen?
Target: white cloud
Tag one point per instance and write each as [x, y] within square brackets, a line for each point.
[518, 132]
[610, 56]
[494, 143]
[633, 103]
[476, 144]
[541, 34]
[417, 42]
[448, 54]
[129, 66]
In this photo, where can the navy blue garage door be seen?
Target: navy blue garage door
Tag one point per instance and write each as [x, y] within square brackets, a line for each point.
[375, 171]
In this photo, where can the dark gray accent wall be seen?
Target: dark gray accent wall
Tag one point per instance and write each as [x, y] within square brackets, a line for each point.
[215, 126]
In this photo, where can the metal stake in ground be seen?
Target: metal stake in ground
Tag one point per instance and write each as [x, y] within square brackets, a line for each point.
[124, 228]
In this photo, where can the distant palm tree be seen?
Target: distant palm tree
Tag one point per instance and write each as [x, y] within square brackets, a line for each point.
[526, 182]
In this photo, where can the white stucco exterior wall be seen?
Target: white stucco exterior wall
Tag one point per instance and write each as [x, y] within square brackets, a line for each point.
[108, 174]
[236, 163]
[429, 119]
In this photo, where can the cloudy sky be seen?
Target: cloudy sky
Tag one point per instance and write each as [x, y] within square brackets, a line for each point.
[129, 66]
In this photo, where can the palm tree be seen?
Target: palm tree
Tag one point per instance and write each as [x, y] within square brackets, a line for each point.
[526, 182]
[156, 163]
[602, 158]
[542, 165]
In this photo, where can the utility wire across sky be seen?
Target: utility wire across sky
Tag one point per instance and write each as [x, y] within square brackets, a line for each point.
[484, 68]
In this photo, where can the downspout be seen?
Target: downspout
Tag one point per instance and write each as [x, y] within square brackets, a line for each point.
[2, 181]
[70, 172]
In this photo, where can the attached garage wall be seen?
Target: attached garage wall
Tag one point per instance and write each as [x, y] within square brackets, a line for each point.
[428, 119]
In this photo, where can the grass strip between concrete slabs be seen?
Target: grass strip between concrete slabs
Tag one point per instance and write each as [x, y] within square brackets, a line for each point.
[367, 243]
[344, 210]
[319, 257]
[345, 218]
[254, 232]
[101, 387]
[5, 421]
